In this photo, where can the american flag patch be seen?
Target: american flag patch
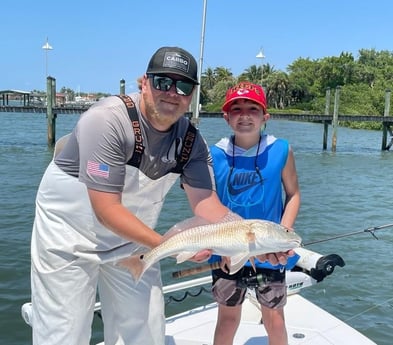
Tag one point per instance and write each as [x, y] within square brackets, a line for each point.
[97, 169]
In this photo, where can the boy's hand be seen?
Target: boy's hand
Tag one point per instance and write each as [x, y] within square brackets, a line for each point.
[276, 258]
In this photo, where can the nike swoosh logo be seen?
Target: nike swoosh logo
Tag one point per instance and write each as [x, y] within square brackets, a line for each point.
[236, 191]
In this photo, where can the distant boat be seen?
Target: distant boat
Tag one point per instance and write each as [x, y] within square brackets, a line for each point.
[82, 100]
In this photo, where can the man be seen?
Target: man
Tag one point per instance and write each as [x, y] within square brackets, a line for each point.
[99, 201]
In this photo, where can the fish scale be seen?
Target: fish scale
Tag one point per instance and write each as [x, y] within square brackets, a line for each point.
[203, 237]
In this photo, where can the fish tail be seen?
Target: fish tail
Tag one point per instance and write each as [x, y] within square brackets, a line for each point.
[135, 265]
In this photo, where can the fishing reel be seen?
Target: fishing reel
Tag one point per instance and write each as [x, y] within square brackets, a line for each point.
[316, 265]
[252, 280]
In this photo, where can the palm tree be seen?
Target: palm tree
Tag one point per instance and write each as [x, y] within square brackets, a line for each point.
[251, 74]
[277, 90]
[208, 79]
[254, 74]
[222, 73]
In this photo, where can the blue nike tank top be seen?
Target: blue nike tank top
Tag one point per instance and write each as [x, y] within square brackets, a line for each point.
[249, 182]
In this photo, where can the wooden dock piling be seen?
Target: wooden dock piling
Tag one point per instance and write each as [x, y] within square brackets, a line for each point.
[50, 114]
[326, 123]
[122, 87]
[335, 118]
[386, 126]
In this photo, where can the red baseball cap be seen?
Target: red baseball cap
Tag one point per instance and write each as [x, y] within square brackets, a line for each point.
[245, 90]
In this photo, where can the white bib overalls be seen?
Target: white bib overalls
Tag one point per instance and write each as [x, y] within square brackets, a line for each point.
[72, 254]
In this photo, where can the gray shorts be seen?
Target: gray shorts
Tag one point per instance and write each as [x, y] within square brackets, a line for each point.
[271, 290]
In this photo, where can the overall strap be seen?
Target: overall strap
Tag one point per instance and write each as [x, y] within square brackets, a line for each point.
[135, 160]
[184, 156]
[136, 157]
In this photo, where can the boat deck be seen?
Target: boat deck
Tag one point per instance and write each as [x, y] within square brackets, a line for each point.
[307, 324]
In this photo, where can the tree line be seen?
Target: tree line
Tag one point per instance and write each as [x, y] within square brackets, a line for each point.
[363, 81]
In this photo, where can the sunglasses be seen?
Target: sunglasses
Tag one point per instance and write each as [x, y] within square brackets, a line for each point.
[164, 83]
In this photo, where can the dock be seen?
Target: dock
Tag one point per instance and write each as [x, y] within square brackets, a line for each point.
[75, 109]
[318, 118]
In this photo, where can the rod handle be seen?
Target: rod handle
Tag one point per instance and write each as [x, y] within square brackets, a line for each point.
[195, 270]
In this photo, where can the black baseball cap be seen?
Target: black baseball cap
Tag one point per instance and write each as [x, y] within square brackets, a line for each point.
[173, 60]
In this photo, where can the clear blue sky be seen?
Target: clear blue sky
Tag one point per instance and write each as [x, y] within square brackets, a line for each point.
[97, 43]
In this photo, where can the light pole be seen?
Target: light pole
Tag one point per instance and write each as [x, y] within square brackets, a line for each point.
[46, 47]
[261, 56]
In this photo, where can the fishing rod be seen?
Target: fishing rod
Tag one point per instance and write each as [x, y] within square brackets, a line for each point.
[371, 231]
[215, 265]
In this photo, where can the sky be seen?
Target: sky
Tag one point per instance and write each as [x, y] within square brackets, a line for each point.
[98, 43]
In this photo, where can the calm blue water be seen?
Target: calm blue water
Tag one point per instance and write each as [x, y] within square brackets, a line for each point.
[346, 191]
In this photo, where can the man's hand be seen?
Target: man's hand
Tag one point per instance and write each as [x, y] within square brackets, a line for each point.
[202, 255]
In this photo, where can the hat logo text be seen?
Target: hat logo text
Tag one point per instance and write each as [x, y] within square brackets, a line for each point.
[175, 60]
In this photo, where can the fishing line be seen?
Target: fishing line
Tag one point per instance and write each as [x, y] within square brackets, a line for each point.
[345, 320]
[368, 309]
[370, 230]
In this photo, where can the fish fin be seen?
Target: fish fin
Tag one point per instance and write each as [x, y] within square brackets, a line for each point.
[135, 265]
[238, 261]
[252, 262]
[184, 225]
[184, 256]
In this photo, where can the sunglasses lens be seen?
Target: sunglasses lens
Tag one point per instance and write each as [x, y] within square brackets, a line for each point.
[183, 88]
[162, 83]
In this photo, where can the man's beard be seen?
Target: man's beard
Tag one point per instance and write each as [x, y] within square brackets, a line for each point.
[154, 116]
[151, 111]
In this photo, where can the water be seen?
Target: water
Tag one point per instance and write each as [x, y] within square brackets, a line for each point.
[342, 192]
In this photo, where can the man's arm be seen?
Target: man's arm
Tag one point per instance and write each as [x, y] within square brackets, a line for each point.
[205, 203]
[113, 215]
